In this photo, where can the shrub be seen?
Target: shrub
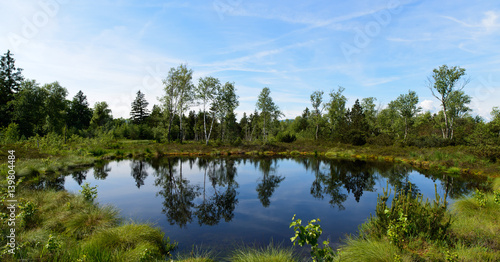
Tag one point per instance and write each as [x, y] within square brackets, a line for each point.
[310, 235]
[97, 152]
[27, 212]
[89, 193]
[286, 137]
[429, 141]
[12, 133]
[380, 140]
[356, 137]
[409, 216]
[237, 142]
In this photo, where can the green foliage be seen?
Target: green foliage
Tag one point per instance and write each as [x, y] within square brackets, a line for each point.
[101, 115]
[27, 213]
[497, 197]
[178, 94]
[89, 193]
[10, 81]
[309, 235]
[140, 110]
[480, 198]
[56, 107]
[79, 113]
[11, 133]
[357, 125]
[286, 137]
[336, 111]
[269, 111]
[446, 82]
[397, 229]
[29, 109]
[52, 246]
[408, 217]
[406, 106]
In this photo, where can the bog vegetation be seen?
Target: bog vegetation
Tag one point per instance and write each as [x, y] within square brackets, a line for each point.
[41, 121]
[30, 109]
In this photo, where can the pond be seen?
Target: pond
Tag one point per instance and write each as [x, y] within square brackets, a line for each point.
[219, 203]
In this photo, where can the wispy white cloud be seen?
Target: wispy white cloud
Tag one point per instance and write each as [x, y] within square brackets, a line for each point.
[292, 47]
[428, 105]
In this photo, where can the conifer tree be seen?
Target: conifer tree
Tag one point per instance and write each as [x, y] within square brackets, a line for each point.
[139, 109]
[10, 81]
[79, 113]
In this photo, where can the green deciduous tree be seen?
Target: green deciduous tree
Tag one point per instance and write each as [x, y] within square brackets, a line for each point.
[10, 82]
[336, 111]
[56, 106]
[268, 110]
[139, 111]
[457, 108]
[494, 124]
[445, 81]
[406, 106]
[29, 109]
[178, 94]
[316, 101]
[368, 106]
[207, 90]
[226, 102]
[101, 115]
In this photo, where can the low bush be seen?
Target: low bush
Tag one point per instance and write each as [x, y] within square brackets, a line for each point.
[286, 137]
[409, 217]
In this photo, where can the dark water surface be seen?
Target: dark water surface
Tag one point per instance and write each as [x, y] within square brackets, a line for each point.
[217, 203]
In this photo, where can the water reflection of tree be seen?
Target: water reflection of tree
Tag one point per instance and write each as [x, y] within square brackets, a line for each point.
[456, 187]
[178, 193]
[101, 170]
[79, 176]
[269, 182]
[48, 183]
[354, 176]
[221, 174]
[138, 171]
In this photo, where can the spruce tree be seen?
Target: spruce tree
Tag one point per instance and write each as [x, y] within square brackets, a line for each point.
[10, 81]
[139, 109]
[79, 114]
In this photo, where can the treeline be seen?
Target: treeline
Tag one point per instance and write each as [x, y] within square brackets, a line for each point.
[29, 109]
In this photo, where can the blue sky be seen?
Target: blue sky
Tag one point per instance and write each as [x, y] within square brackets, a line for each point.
[111, 49]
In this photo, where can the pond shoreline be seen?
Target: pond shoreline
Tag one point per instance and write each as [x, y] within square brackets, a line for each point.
[455, 161]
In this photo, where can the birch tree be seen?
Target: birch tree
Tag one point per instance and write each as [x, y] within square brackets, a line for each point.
[316, 101]
[269, 111]
[207, 90]
[178, 94]
[445, 81]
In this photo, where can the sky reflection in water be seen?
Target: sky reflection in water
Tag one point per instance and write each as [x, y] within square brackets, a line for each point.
[222, 202]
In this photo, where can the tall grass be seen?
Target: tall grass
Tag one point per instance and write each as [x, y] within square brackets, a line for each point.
[477, 224]
[270, 253]
[359, 249]
[68, 228]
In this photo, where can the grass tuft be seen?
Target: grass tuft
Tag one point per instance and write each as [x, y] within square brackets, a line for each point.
[271, 253]
[358, 249]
